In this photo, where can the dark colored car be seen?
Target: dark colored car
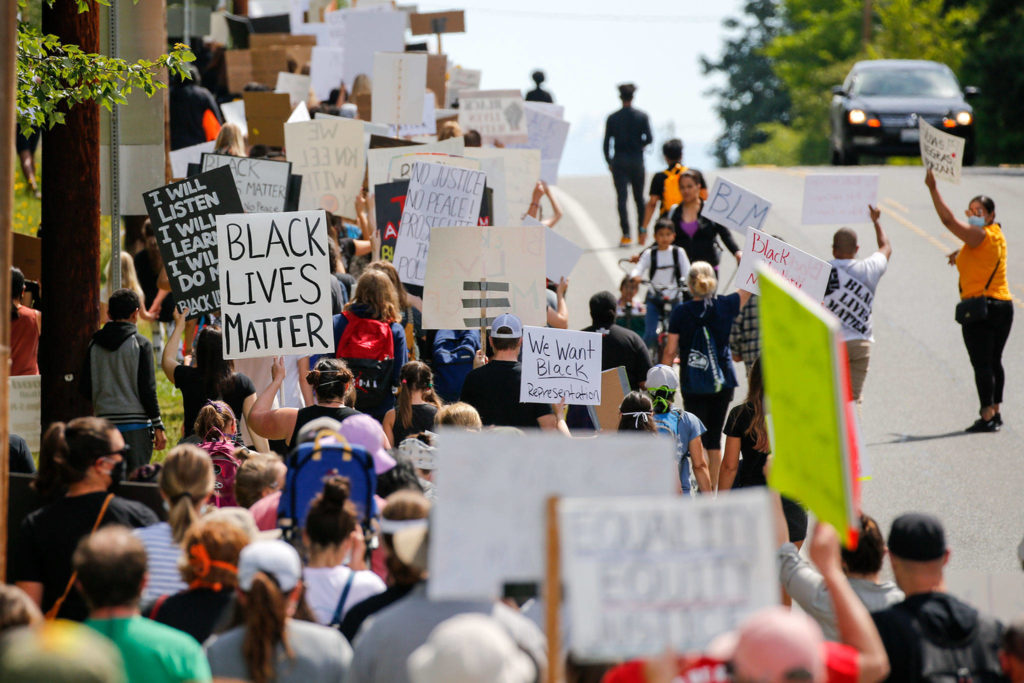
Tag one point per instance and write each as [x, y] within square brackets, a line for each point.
[877, 109]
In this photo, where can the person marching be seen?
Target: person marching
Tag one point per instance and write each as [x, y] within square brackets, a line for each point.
[631, 130]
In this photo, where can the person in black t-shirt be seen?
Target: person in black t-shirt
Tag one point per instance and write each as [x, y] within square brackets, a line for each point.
[619, 345]
[330, 380]
[493, 388]
[631, 130]
[538, 94]
[78, 462]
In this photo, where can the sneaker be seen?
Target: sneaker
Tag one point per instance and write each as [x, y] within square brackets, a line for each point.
[625, 241]
[999, 419]
[981, 425]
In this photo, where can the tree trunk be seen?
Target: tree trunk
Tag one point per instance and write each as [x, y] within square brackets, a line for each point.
[70, 232]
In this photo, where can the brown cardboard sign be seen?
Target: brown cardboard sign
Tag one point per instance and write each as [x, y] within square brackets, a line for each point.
[260, 40]
[453, 21]
[437, 77]
[614, 387]
[239, 66]
[265, 114]
[28, 256]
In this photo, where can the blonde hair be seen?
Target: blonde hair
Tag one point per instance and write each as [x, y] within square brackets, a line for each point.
[186, 479]
[258, 473]
[230, 140]
[701, 279]
[450, 129]
[360, 86]
[459, 414]
[375, 290]
[129, 278]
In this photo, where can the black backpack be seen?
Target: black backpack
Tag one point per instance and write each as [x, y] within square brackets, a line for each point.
[677, 270]
[974, 661]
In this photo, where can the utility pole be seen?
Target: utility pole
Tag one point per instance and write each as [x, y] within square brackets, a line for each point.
[70, 231]
[8, 78]
[865, 33]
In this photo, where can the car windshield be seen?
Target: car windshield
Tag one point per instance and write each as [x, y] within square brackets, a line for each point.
[905, 83]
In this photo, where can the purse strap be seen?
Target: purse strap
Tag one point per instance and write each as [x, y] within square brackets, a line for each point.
[52, 612]
[995, 270]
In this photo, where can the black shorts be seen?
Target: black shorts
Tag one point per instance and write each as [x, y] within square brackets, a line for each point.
[711, 409]
[29, 144]
[796, 519]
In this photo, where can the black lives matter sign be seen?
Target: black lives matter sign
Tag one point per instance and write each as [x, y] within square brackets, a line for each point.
[184, 218]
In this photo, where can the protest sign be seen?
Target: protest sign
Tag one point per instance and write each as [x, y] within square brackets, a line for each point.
[265, 114]
[831, 198]
[275, 284]
[234, 112]
[643, 575]
[460, 79]
[299, 114]
[24, 408]
[560, 365]
[941, 152]
[522, 171]
[181, 158]
[378, 161]
[428, 120]
[388, 202]
[807, 389]
[438, 195]
[361, 34]
[239, 69]
[296, 86]
[475, 274]
[262, 183]
[325, 70]
[494, 167]
[805, 272]
[399, 83]
[401, 166]
[453, 21]
[614, 387]
[183, 215]
[549, 108]
[329, 155]
[437, 69]
[487, 528]
[560, 255]
[498, 115]
[548, 133]
[735, 207]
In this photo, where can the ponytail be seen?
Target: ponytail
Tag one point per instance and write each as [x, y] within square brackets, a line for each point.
[68, 451]
[330, 379]
[266, 614]
[214, 420]
[415, 376]
[186, 480]
[332, 516]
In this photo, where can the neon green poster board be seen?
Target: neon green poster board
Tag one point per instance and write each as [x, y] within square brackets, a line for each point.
[806, 390]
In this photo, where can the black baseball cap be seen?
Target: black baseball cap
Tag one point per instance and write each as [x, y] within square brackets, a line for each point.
[917, 537]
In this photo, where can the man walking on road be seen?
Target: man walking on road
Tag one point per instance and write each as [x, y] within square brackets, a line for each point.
[851, 292]
[631, 130]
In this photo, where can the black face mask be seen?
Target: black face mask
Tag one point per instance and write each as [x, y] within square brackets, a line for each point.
[117, 473]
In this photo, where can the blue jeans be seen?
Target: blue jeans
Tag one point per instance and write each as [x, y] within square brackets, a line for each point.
[654, 305]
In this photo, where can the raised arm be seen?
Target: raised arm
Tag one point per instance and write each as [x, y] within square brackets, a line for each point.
[169, 358]
[556, 209]
[880, 237]
[264, 419]
[970, 235]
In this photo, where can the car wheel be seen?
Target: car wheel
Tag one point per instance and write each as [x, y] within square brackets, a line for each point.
[969, 154]
[837, 157]
[849, 157]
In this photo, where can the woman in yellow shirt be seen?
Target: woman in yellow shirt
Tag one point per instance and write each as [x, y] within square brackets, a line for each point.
[981, 263]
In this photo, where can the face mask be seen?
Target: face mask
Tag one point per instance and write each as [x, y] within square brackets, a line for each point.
[976, 221]
[116, 473]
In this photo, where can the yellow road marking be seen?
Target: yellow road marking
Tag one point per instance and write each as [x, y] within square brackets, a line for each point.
[944, 248]
[896, 205]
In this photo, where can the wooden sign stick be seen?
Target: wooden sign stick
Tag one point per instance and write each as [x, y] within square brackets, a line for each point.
[483, 308]
[553, 594]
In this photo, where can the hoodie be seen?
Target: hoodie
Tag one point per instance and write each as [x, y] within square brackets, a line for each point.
[118, 376]
[930, 634]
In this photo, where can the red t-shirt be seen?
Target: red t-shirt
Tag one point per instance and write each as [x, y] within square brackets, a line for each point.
[25, 341]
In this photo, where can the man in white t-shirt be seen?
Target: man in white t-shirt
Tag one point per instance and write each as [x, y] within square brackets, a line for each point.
[851, 293]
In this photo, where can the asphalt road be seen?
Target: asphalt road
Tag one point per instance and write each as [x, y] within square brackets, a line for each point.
[919, 394]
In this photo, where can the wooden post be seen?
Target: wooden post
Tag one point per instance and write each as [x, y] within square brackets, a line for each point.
[439, 51]
[866, 26]
[553, 594]
[8, 78]
[483, 315]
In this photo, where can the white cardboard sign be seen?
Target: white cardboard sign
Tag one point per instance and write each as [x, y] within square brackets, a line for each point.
[428, 121]
[510, 261]
[274, 284]
[399, 85]
[833, 198]
[325, 70]
[400, 167]
[378, 161]
[438, 195]
[234, 112]
[24, 411]
[522, 171]
[498, 115]
[646, 574]
[181, 158]
[296, 85]
[561, 365]
[329, 155]
[941, 152]
[807, 273]
[361, 34]
[561, 255]
[488, 526]
[460, 79]
[262, 183]
[548, 133]
[735, 207]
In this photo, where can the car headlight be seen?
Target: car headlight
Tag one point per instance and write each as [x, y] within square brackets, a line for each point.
[964, 118]
[857, 116]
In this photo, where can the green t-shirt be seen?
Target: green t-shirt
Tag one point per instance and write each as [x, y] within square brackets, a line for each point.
[153, 652]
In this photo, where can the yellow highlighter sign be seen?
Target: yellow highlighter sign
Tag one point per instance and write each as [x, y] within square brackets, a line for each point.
[807, 393]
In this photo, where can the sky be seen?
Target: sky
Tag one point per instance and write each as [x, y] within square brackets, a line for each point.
[586, 48]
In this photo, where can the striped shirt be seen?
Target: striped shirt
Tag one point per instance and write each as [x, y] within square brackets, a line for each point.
[162, 554]
[745, 337]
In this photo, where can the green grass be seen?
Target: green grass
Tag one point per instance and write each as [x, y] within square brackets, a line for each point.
[27, 210]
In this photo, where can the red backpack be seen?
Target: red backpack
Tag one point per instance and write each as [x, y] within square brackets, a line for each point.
[368, 348]
[225, 469]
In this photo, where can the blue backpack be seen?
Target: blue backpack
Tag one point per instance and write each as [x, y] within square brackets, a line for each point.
[310, 463]
[454, 351]
[703, 371]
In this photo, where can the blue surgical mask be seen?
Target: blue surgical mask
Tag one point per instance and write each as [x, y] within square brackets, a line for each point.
[976, 221]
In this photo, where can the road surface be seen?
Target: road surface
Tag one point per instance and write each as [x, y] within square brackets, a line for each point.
[919, 395]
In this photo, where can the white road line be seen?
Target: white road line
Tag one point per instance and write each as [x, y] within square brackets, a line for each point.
[594, 237]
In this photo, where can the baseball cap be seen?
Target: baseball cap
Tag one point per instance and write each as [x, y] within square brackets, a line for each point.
[363, 430]
[467, 648]
[918, 537]
[275, 558]
[511, 322]
[662, 376]
[409, 540]
[774, 642]
[421, 455]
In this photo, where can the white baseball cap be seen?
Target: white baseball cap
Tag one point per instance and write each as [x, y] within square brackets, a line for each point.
[662, 376]
[468, 648]
[275, 558]
[421, 455]
[511, 322]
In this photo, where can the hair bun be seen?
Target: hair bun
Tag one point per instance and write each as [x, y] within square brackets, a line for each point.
[337, 490]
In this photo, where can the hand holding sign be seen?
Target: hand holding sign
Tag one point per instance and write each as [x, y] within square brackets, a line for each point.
[942, 153]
